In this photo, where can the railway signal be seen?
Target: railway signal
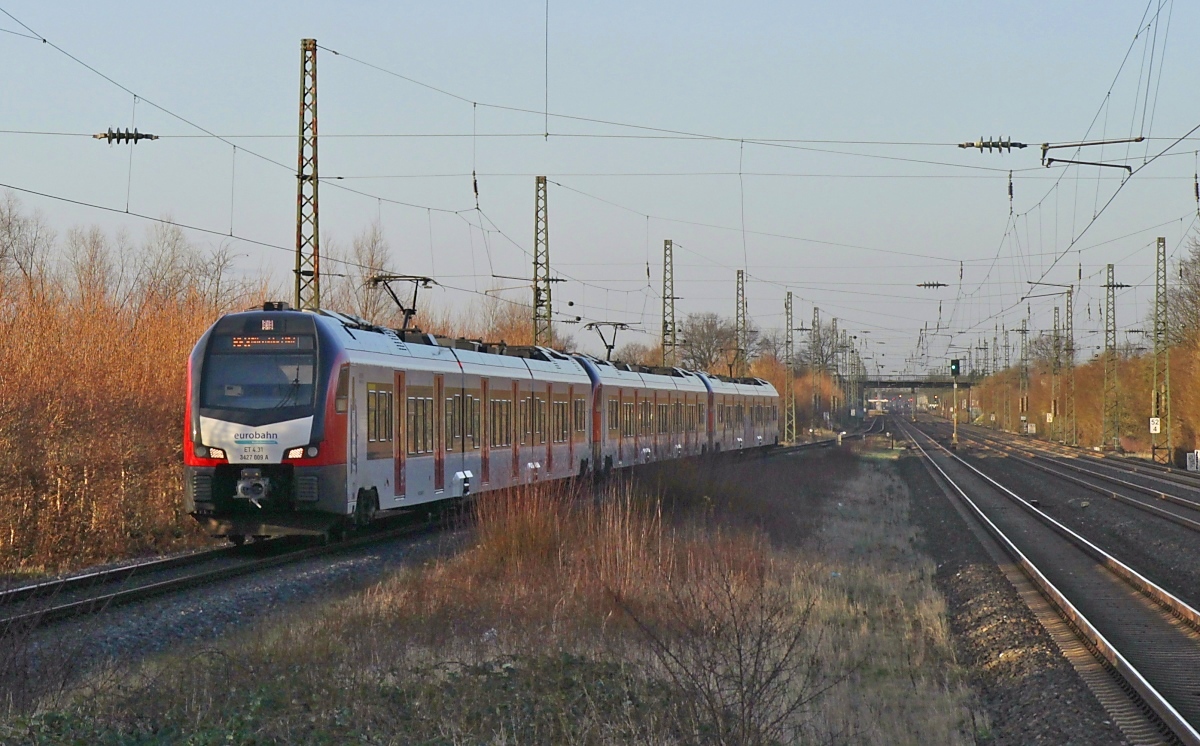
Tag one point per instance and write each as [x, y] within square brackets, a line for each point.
[955, 369]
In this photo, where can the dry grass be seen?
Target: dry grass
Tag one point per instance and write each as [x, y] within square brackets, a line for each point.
[638, 618]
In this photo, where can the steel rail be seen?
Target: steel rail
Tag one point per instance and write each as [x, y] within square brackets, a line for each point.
[1175, 518]
[100, 602]
[1182, 729]
[110, 575]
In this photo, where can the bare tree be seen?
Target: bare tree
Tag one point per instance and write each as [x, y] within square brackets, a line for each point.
[707, 343]
[1183, 297]
[25, 241]
[350, 290]
[639, 353]
[820, 349]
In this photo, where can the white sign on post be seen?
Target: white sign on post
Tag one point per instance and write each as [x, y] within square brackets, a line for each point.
[1049, 417]
[1155, 425]
[1192, 460]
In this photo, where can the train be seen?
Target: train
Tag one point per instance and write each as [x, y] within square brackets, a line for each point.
[317, 422]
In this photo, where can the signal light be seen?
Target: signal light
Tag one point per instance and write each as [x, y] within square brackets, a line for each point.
[955, 367]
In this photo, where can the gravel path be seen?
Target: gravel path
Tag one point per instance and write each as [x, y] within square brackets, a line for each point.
[1032, 693]
[54, 658]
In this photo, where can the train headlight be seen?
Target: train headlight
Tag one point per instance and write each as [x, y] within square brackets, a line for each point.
[207, 452]
[302, 452]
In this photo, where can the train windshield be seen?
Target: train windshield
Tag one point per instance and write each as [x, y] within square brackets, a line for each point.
[260, 372]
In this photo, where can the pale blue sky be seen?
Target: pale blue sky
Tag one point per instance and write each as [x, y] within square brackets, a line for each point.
[937, 73]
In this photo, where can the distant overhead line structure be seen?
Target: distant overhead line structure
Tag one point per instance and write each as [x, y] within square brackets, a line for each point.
[911, 382]
[308, 234]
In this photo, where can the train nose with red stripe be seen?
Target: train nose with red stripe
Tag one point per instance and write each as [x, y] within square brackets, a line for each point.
[306, 422]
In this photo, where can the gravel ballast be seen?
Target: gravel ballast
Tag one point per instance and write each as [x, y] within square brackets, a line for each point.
[1031, 692]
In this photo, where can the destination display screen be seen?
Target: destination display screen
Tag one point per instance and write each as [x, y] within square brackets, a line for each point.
[275, 343]
[263, 342]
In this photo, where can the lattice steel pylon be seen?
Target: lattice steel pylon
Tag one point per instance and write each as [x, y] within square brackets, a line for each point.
[1007, 385]
[668, 304]
[1069, 354]
[1112, 407]
[542, 308]
[815, 363]
[835, 374]
[1160, 392]
[1024, 385]
[308, 234]
[1055, 368]
[740, 326]
[789, 383]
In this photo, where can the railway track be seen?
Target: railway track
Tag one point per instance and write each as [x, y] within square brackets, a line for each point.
[27, 607]
[1149, 638]
[1105, 459]
[1169, 500]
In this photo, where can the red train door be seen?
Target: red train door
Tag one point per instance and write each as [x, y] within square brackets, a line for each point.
[572, 426]
[546, 427]
[515, 431]
[439, 430]
[637, 428]
[710, 420]
[597, 429]
[485, 449]
[400, 444]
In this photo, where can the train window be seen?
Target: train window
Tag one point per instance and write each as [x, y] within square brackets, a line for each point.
[452, 416]
[342, 396]
[471, 420]
[379, 420]
[614, 414]
[580, 414]
[539, 421]
[411, 429]
[559, 427]
[523, 420]
[420, 425]
[501, 422]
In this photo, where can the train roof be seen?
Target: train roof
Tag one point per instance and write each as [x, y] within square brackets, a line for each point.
[484, 358]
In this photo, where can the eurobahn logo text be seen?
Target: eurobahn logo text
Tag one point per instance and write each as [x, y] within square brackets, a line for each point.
[252, 438]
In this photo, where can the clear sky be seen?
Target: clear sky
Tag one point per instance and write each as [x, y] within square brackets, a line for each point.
[850, 226]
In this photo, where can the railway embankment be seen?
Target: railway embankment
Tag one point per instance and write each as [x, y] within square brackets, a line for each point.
[767, 601]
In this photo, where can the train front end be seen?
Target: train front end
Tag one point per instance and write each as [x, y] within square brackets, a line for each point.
[264, 437]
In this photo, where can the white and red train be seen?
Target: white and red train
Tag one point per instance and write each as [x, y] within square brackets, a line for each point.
[306, 422]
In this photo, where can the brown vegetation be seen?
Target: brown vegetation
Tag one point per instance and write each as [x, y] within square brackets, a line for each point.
[661, 615]
[997, 393]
